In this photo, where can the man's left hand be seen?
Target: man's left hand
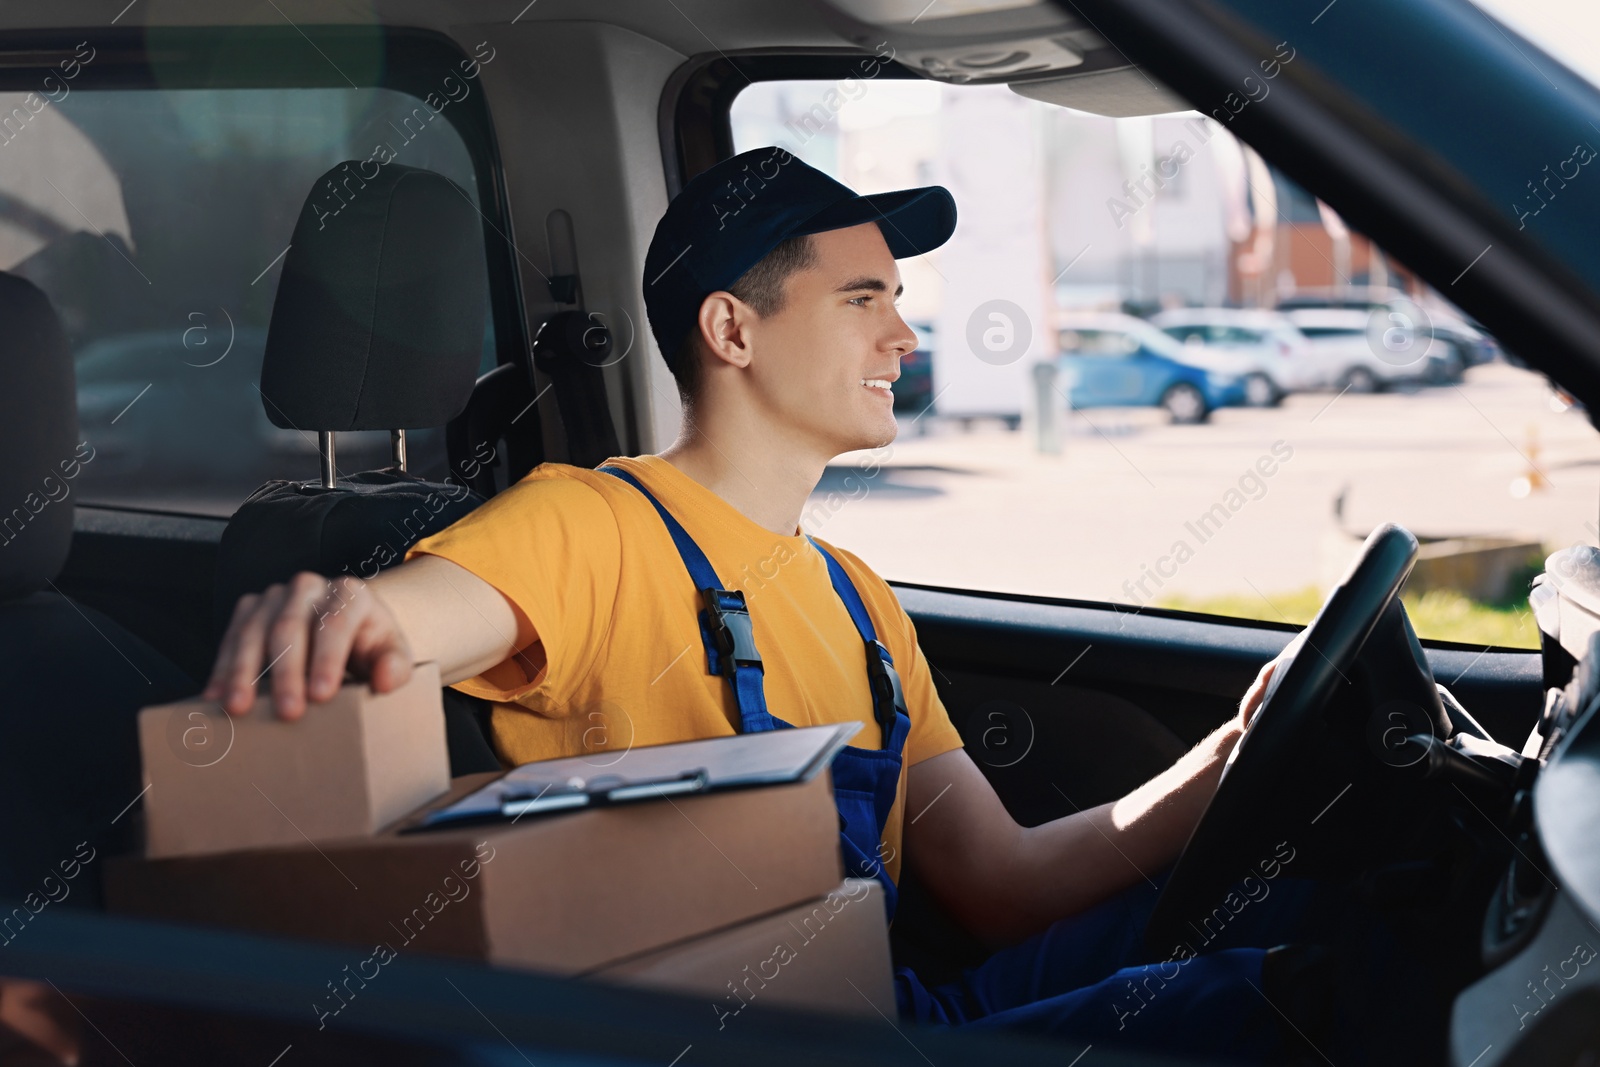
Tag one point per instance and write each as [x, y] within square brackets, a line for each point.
[1256, 694]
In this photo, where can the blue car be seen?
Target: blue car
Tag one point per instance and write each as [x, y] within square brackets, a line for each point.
[1110, 360]
[913, 391]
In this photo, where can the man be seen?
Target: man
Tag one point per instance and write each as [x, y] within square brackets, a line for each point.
[572, 601]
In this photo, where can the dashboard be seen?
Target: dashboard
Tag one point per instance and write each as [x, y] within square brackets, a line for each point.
[1539, 1002]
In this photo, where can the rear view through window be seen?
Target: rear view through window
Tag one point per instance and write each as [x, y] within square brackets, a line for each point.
[156, 221]
[1159, 373]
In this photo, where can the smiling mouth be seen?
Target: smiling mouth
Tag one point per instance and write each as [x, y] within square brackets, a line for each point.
[877, 383]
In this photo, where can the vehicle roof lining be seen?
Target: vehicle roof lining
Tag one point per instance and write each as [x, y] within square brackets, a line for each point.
[688, 26]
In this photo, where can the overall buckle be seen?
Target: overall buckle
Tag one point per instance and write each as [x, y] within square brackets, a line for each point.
[731, 630]
[887, 696]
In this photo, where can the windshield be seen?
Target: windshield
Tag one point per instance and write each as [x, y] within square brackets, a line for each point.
[1238, 474]
[1569, 30]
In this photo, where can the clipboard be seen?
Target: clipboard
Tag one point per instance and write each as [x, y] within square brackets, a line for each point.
[742, 761]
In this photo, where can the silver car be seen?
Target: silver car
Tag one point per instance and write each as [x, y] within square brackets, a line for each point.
[1281, 360]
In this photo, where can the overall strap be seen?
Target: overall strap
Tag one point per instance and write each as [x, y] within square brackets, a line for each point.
[725, 628]
[888, 700]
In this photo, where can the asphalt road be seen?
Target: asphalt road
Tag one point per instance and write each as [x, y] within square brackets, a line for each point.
[982, 509]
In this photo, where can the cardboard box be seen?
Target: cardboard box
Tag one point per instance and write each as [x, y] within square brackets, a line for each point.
[827, 955]
[347, 768]
[564, 893]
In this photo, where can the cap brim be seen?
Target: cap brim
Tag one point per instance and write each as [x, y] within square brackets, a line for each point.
[913, 221]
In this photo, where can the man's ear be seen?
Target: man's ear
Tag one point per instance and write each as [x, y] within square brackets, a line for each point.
[724, 327]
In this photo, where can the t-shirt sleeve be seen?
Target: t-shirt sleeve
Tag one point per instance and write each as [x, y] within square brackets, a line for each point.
[551, 546]
[932, 732]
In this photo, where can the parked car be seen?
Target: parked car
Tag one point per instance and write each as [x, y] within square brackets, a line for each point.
[913, 391]
[1341, 341]
[1352, 297]
[133, 388]
[1466, 340]
[1281, 359]
[1119, 361]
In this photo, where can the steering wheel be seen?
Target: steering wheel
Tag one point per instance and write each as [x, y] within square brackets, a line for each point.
[1264, 779]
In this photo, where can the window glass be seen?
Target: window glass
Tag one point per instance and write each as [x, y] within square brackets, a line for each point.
[1569, 31]
[1088, 342]
[156, 221]
[1296, 386]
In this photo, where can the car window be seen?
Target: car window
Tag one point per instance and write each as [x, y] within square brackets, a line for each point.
[1123, 496]
[156, 220]
[1144, 335]
[1090, 342]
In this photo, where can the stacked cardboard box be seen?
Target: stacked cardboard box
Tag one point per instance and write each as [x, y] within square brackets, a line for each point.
[830, 954]
[291, 828]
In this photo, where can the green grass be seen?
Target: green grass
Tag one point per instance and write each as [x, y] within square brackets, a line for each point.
[1439, 614]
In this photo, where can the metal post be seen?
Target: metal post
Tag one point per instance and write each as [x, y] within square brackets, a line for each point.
[1047, 437]
[325, 447]
[397, 447]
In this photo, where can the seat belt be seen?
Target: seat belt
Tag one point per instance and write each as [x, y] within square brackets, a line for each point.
[573, 347]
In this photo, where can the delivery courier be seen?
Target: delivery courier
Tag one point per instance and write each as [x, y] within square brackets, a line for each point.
[662, 598]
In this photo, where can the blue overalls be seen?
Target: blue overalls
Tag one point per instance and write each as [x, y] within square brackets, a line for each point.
[1072, 979]
[865, 781]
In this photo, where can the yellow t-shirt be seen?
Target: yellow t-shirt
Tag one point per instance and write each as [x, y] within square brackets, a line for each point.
[609, 649]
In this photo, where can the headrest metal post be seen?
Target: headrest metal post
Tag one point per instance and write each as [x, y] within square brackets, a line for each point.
[397, 447]
[325, 446]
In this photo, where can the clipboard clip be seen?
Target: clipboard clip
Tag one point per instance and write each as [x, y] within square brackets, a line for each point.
[602, 789]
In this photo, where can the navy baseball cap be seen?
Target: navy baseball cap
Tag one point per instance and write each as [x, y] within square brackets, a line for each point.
[729, 217]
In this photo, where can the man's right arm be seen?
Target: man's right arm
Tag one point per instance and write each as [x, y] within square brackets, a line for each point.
[310, 630]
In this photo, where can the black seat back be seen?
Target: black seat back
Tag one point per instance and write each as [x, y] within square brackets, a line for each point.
[73, 679]
[377, 325]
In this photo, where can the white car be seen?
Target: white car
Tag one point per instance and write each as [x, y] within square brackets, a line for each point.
[1280, 359]
[1340, 340]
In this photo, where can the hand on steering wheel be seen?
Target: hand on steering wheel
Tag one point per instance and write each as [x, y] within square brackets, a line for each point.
[1283, 713]
[1256, 695]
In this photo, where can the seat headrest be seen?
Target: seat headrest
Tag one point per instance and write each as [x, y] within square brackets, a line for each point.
[38, 440]
[378, 321]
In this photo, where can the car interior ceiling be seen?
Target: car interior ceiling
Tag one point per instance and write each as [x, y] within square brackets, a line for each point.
[571, 173]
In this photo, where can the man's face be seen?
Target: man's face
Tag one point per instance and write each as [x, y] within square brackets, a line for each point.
[838, 327]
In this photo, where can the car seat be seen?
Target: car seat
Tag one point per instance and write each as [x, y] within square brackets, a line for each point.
[377, 325]
[74, 679]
